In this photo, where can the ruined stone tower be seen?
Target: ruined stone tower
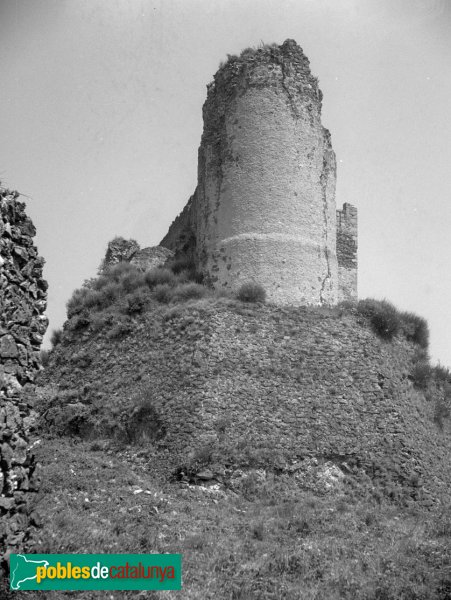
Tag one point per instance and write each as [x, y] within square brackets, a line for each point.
[264, 207]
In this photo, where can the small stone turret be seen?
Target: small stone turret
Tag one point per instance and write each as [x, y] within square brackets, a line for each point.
[264, 206]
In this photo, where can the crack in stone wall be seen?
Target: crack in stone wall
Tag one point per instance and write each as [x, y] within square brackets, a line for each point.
[23, 300]
[323, 181]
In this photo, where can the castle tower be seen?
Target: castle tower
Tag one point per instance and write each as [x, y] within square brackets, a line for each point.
[264, 207]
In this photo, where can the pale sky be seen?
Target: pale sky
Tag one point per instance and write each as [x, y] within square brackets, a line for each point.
[101, 119]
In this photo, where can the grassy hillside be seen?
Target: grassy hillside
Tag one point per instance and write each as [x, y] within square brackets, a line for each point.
[264, 539]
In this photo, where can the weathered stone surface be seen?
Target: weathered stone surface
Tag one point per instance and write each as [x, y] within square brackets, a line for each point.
[347, 252]
[264, 207]
[151, 258]
[122, 250]
[8, 347]
[205, 475]
[22, 324]
[118, 250]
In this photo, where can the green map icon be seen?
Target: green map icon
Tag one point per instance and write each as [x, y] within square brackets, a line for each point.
[23, 569]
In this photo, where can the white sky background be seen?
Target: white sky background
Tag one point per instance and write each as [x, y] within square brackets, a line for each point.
[101, 119]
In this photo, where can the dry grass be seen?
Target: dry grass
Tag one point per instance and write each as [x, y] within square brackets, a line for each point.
[281, 546]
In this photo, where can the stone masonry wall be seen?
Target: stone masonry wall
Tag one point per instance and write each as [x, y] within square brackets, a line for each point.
[264, 207]
[296, 381]
[347, 252]
[23, 295]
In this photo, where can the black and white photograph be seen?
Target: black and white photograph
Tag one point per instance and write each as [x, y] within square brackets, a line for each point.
[225, 290]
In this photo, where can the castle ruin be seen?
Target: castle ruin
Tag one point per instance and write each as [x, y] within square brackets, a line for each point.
[264, 207]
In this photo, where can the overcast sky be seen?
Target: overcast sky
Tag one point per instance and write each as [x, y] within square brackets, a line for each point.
[101, 119]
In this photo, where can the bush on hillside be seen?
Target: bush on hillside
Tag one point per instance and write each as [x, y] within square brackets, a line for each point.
[441, 411]
[143, 423]
[125, 290]
[79, 321]
[188, 291]
[163, 293]
[56, 337]
[441, 374]
[184, 267]
[383, 316]
[387, 321]
[415, 329]
[251, 292]
[44, 355]
[158, 276]
[117, 272]
[421, 375]
[119, 330]
[137, 301]
[115, 284]
[181, 263]
[76, 303]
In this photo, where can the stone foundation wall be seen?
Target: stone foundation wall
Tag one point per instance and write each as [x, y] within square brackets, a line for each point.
[23, 295]
[290, 381]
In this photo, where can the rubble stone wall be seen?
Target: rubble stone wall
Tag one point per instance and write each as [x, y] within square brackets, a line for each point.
[23, 300]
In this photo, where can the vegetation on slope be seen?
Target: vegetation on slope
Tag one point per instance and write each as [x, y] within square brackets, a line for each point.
[262, 541]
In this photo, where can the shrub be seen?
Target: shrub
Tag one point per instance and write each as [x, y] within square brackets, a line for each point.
[143, 424]
[415, 329]
[76, 302]
[118, 271]
[79, 321]
[163, 293]
[441, 411]
[383, 316]
[121, 329]
[137, 301]
[110, 293]
[98, 294]
[347, 305]
[132, 280]
[158, 276]
[44, 355]
[251, 292]
[421, 375]
[98, 321]
[185, 268]
[441, 374]
[81, 359]
[92, 299]
[189, 291]
[56, 337]
[181, 263]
